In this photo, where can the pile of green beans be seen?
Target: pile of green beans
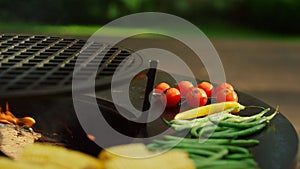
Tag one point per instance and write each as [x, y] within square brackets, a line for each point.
[211, 153]
[224, 124]
[218, 140]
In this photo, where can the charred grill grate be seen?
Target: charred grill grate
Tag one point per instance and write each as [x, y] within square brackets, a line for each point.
[29, 63]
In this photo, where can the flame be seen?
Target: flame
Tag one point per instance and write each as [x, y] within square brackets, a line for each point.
[8, 118]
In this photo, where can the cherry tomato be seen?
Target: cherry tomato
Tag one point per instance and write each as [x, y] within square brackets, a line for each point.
[226, 95]
[184, 87]
[159, 95]
[163, 86]
[223, 86]
[173, 97]
[196, 97]
[207, 87]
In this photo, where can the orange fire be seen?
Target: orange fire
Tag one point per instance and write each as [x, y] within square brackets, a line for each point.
[8, 118]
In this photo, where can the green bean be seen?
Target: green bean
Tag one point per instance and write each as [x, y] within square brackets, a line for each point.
[194, 121]
[235, 118]
[179, 125]
[238, 156]
[210, 147]
[219, 155]
[195, 151]
[224, 164]
[176, 144]
[210, 129]
[206, 131]
[269, 118]
[214, 147]
[237, 149]
[213, 134]
[197, 156]
[194, 131]
[240, 125]
[241, 142]
[239, 133]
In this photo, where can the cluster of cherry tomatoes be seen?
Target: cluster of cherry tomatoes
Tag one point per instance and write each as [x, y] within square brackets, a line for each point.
[195, 96]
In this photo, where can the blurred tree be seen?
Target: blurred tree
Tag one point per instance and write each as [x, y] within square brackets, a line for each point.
[280, 15]
[272, 15]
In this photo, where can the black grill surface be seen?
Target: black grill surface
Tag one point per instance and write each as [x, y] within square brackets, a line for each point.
[38, 64]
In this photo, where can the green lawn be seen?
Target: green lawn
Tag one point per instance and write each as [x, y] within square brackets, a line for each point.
[215, 31]
[75, 30]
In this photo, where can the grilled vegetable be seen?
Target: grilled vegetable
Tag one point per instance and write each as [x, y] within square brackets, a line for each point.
[60, 157]
[218, 142]
[209, 109]
[199, 122]
[136, 156]
[134, 150]
[224, 125]
[11, 164]
[212, 153]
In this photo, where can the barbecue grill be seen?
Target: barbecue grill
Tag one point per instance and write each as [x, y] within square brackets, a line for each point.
[36, 79]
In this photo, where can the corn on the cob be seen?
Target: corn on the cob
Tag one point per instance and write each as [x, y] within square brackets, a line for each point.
[42, 154]
[137, 156]
[173, 159]
[134, 150]
[11, 164]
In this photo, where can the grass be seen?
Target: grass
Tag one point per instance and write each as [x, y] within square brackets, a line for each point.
[73, 30]
[212, 31]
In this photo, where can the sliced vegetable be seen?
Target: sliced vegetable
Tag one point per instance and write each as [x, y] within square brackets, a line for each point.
[209, 109]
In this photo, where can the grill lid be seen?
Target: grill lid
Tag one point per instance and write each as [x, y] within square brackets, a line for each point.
[35, 65]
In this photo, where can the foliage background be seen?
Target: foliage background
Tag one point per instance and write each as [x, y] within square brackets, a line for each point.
[280, 16]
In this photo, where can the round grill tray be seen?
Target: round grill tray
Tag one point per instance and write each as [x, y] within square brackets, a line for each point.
[39, 65]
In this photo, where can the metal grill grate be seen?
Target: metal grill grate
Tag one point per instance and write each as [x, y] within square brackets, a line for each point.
[32, 63]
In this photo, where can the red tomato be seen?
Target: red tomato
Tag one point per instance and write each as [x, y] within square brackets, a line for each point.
[184, 87]
[207, 87]
[162, 86]
[226, 95]
[173, 97]
[159, 95]
[196, 97]
[223, 86]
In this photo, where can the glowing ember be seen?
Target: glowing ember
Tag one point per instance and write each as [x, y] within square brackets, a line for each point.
[8, 118]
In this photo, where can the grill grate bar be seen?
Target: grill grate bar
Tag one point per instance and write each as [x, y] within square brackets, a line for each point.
[10, 47]
[33, 64]
[19, 64]
[86, 61]
[41, 64]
